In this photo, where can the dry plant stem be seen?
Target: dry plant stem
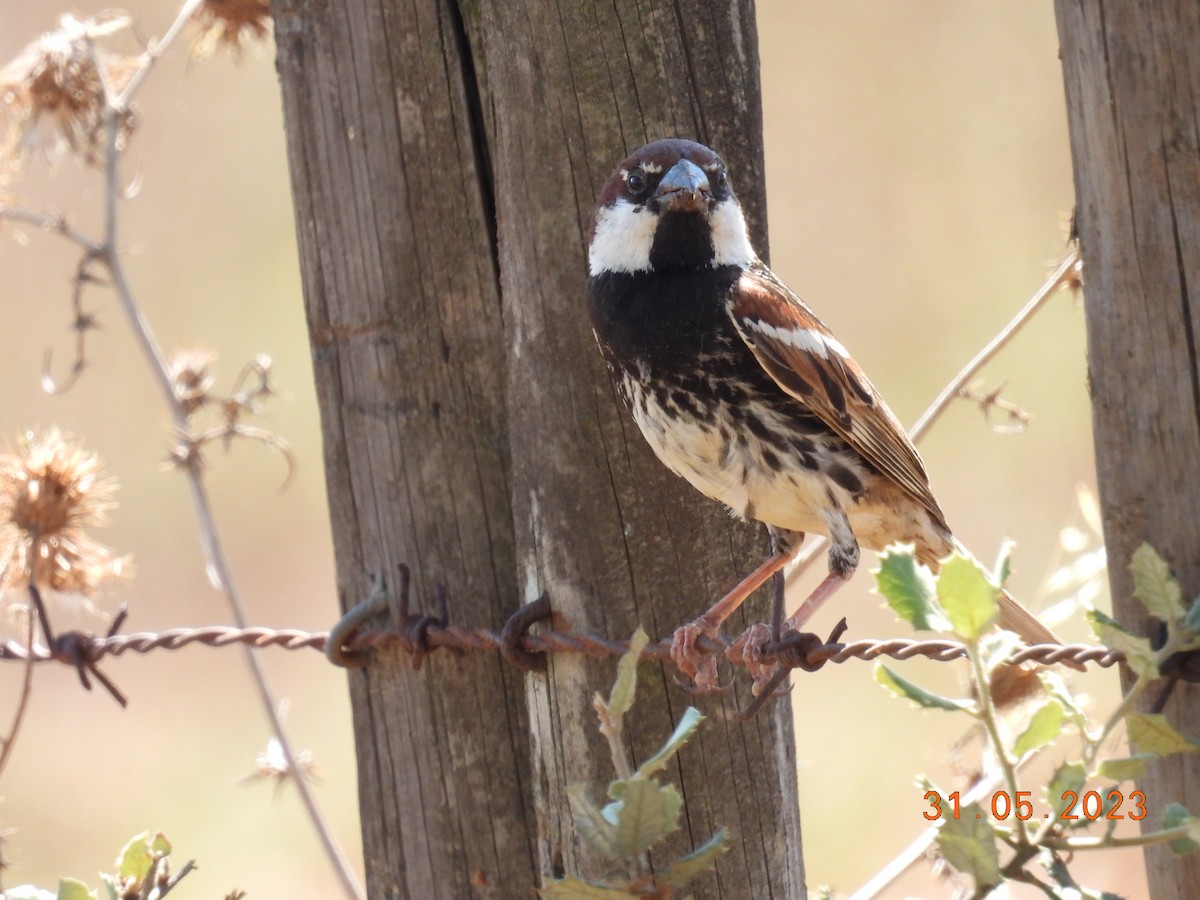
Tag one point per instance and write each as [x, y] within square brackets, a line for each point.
[48, 222]
[151, 56]
[178, 877]
[217, 562]
[23, 703]
[1061, 276]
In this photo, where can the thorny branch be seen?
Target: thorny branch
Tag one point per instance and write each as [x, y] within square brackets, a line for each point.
[81, 323]
[990, 401]
[115, 100]
[23, 703]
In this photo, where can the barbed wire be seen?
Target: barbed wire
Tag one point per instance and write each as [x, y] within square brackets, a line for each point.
[93, 648]
[350, 642]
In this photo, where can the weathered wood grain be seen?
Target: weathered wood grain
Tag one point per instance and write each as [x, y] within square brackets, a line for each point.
[399, 273]
[613, 537]
[1132, 73]
[444, 160]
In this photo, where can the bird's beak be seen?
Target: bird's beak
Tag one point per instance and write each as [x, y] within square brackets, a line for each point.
[684, 188]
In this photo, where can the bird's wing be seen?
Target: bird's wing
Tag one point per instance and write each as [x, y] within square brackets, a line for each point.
[806, 360]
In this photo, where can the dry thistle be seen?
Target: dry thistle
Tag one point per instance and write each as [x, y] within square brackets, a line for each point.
[231, 24]
[192, 378]
[51, 492]
[53, 95]
[272, 764]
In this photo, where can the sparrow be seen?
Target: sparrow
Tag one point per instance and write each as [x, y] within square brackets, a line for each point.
[740, 389]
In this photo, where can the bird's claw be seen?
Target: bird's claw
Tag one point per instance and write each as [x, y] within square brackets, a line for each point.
[694, 662]
[749, 650]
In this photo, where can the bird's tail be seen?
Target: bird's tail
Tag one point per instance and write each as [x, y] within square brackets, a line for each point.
[1015, 617]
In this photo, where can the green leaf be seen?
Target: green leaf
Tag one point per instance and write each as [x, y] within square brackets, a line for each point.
[1138, 653]
[135, 859]
[969, 844]
[1003, 567]
[699, 861]
[578, 889]
[1044, 726]
[1055, 686]
[1193, 617]
[688, 723]
[625, 687]
[1154, 734]
[160, 846]
[1126, 768]
[902, 687]
[71, 889]
[968, 597]
[1174, 816]
[591, 824]
[908, 588]
[1067, 777]
[1155, 586]
[644, 812]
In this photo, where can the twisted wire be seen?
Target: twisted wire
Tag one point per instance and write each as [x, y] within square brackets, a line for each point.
[454, 637]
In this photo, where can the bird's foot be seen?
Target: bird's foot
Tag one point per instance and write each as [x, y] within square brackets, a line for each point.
[749, 650]
[697, 663]
[794, 650]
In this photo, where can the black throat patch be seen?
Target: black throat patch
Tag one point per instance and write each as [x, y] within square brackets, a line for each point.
[683, 240]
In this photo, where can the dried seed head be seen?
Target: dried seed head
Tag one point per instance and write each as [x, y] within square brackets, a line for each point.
[192, 378]
[52, 95]
[231, 24]
[213, 417]
[51, 491]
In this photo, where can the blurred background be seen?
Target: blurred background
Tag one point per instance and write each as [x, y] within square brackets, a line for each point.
[918, 183]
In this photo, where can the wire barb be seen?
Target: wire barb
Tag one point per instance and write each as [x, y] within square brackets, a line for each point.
[438, 633]
[517, 628]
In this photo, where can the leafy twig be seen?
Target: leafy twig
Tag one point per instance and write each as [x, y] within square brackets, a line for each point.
[643, 810]
[962, 598]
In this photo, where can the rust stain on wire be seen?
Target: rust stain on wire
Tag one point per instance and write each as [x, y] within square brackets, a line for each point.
[385, 619]
[455, 637]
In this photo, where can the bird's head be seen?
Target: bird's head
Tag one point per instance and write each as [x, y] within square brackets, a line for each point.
[668, 207]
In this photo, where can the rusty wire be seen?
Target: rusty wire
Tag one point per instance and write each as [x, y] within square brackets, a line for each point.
[454, 637]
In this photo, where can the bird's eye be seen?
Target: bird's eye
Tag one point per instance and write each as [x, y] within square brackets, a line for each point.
[636, 182]
[721, 177]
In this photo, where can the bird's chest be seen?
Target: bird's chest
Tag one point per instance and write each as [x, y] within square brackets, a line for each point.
[678, 360]
[663, 325]
[705, 406]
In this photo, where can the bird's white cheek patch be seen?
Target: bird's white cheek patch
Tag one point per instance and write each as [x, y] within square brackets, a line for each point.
[622, 240]
[731, 242]
[807, 339]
